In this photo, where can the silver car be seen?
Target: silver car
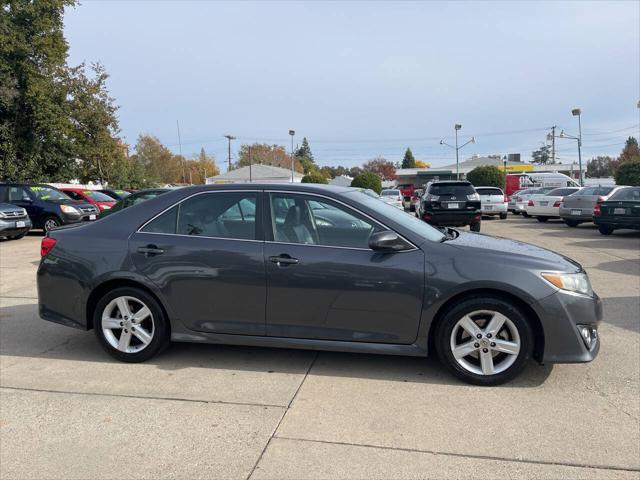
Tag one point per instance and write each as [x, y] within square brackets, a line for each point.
[493, 201]
[578, 208]
[14, 221]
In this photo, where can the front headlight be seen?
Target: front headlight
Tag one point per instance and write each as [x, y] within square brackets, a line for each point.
[106, 207]
[572, 282]
[69, 209]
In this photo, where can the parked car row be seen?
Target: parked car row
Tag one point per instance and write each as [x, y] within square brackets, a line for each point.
[609, 207]
[24, 206]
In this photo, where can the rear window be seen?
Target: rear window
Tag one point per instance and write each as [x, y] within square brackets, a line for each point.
[489, 191]
[390, 193]
[561, 192]
[632, 194]
[451, 189]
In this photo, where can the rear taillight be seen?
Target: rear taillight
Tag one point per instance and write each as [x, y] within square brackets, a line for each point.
[530, 204]
[426, 216]
[506, 199]
[596, 209]
[46, 245]
[557, 204]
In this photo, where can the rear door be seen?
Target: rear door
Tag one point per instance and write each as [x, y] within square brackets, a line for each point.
[206, 256]
[324, 282]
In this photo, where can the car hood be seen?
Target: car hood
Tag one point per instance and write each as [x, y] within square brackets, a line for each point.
[507, 250]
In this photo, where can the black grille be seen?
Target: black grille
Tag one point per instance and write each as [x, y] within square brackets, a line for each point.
[88, 209]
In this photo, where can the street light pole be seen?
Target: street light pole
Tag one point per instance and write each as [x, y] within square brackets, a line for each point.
[456, 128]
[292, 133]
[576, 112]
[229, 137]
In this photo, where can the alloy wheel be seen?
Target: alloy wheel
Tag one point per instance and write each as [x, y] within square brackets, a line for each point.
[485, 342]
[127, 324]
[50, 224]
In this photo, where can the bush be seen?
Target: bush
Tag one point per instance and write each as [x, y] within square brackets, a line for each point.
[314, 177]
[368, 180]
[628, 173]
[486, 176]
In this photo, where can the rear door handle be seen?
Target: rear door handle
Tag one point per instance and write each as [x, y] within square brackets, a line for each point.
[150, 250]
[283, 259]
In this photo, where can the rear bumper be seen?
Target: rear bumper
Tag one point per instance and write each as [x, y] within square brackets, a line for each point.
[495, 209]
[452, 219]
[585, 214]
[560, 315]
[618, 222]
[543, 212]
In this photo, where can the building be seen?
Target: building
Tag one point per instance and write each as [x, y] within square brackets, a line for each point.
[257, 173]
[341, 181]
[421, 176]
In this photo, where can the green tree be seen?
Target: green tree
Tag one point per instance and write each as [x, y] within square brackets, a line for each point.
[408, 161]
[630, 150]
[266, 154]
[628, 173]
[159, 164]
[201, 167]
[34, 122]
[368, 180]
[487, 176]
[314, 177]
[304, 151]
[600, 167]
[542, 156]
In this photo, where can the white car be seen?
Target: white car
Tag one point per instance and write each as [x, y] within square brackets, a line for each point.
[547, 206]
[493, 201]
[393, 197]
[522, 198]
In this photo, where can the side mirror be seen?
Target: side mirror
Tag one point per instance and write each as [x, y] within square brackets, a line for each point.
[387, 241]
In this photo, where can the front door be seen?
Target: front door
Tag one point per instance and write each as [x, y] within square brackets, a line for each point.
[206, 257]
[323, 281]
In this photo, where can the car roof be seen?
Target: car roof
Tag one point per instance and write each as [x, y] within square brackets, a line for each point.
[451, 182]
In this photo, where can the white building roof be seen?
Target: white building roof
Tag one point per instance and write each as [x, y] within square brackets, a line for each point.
[258, 173]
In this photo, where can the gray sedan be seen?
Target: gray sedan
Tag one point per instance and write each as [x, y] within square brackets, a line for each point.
[578, 207]
[315, 267]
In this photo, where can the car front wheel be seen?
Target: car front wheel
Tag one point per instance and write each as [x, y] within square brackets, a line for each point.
[50, 223]
[484, 341]
[130, 325]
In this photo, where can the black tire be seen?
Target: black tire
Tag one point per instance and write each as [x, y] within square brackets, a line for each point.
[605, 229]
[446, 324]
[515, 212]
[161, 331]
[50, 223]
[475, 227]
[572, 223]
[525, 215]
[542, 219]
[503, 216]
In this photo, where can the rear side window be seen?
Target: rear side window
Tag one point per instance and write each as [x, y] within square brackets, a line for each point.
[13, 194]
[632, 194]
[451, 189]
[165, 223]
[220, 215]
[561, 192]
[588, 191]
[603, 190]
[489, 191]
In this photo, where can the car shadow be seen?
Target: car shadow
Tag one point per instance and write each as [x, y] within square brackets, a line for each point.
[55, 342]
[616, 310]
[626, 267]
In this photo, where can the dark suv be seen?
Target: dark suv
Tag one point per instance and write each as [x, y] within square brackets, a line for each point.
[452, 204]
[47, 206]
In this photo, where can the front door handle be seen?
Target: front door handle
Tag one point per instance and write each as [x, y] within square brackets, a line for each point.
[283, 259]
[150, 250]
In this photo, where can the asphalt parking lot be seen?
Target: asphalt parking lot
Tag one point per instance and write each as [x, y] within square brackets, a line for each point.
[68, 410]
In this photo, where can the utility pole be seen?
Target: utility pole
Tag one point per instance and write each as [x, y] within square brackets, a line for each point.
[250, 164]
[184, 174]
[292, 133]
[457, 148]
[229, 137]
[553, 144]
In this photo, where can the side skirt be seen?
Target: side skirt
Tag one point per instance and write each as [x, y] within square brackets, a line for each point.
[301, 343]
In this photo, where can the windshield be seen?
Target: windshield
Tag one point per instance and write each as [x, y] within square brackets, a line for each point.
[417, 226]
[390, 193]
[97, 196]
[48, 193]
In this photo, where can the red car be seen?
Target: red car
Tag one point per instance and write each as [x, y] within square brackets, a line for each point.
[99, 199]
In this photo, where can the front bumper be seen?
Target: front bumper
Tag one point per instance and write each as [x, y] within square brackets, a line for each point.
[10, 227]
[560, 315]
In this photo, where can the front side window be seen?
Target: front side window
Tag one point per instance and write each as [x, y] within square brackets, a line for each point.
[303, 219]
[15, 194]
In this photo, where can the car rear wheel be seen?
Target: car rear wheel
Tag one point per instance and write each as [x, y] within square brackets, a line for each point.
[130, 325]
[50, 223]
[525, 215]
[572, 223]
[503, 216]
[605, 229]
[475, 227]
[543, 219]
[484, 341]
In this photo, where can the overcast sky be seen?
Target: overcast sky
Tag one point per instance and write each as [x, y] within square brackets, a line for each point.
[364, 79]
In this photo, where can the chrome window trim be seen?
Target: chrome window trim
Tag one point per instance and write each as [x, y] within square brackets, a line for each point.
[139, 230]
[200, 236]
[349, 207]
